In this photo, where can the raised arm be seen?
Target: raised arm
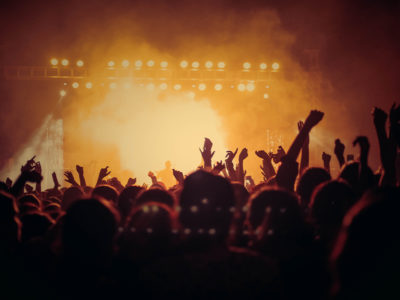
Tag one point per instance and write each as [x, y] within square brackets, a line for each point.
[207, 154]
[305, 152]
[365, 173]
[326, 158]
[229, 164]
[241, 173]
[339, 152]
[267, 169]
[82, 180]
[102, 174]
[69, 177]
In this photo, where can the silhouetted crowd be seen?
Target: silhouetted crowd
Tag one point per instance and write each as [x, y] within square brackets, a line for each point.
[216, 234]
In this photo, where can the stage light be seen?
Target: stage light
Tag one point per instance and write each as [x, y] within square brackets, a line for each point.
[150, 87]
[54, 61]
[250, 87]
[63, 93]
[113, 85]
[275, 66]
[246, 65]
[138, 63]
[241, 87]
[218, 87]
[263, 66]
[79, 63]
[65, 62]
[266, 96]
[163, 86]
[221, 65]
[184, 64]
[164, 64]
[111, 64]
[177, 87]
[195, 64]
[89, 85]
[209, 64]
[150, 63]
[75, 85]
[202, 86]
[125, 63]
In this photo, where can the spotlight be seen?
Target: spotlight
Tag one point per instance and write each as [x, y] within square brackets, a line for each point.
[221, 65]
[63, 93]
[138, 63]
[195, 64]
[218, 87]
[184, 64]
[150, 87]
[163, 86]
[113, 85]
[79, 63]
[125, 63]
[89, 85]
[65, 62]
[250, 87]
[164, 64]
[150, 63]
[266, 96]
[177, 87]
[241, 87]
[75, 85]
[263, 66]
[111, 64]
[202, 86]
[209, 64]
[54, 61]
[275, 66]
[246, 65]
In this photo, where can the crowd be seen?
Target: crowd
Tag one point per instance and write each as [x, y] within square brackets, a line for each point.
[298, 234]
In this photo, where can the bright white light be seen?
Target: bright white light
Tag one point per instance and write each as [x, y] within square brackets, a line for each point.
[150, 63]
[63, 93]
[221, 65]
[163, 86]
[202, 86]
[164, 64]
[266, 96]
[177, 87]
[250, 87]
[209, 64]
[65, 62]
[75, 85]
[195, 64]
[241, 87]
[275, 66]
[138, 63]
[54, 61]
[218, 87]
[150, 87]
[246, 65]
[125, 63]
[113, 85]
[184, 64]
[263, 66]
[111, 64]
[89, 85]
[79, 63]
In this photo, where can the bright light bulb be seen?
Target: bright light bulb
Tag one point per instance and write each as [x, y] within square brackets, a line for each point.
[65, 62]
[195, 64]
[241, 87]
[184, 64]
[218, 87]
[125, 63]
[177, 87]
[54, 61]
[163, 86]
[111, 63]
[221, 65]
[79, 63]
[138, 63]
[75, 85]
[150, 63]
[246, 65]
[164, 64]
[202, 86]
[209, 64]
[250, 87]
[266, 96]
[89, 85]
[63, 93]
[275, 66]
[263, 66]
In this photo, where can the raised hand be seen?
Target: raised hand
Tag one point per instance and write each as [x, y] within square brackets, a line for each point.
[55, 180]
[218, 167]
[153, 177]
[9, 182]
[29, 188]
[178, 176]
[339, 151]
[243, 154]
[82, 180]
[131, 181]
[206, 153]
[379, 116]
[263, 155]
[104, 172]
[79, 169]
[278, 156]
[69, 177]
[230, 155]
[313, 118]
[326, 158]
[30, 164]
[38, 168]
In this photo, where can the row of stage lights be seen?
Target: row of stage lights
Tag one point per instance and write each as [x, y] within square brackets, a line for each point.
[164, 64]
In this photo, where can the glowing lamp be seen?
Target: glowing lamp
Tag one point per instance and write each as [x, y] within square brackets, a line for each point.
[263, 66]
[209, 64]
[89, 85]
[54, 61]
[65, 62]
[241, 87]
[138, 63]
[164, 64]
[221, 65]
[63, 93]
[218, 87]
[111, 64]
[250, 87]
[195, 64]
[79, 63]
[246, 65]
[125, 63]
[184, 64]
[163, 86]
[177, 87]
[202, 86]
[150, 63]
[75, 85]
[266, 96]
[275, 66]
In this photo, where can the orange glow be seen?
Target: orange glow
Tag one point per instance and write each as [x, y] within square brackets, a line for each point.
[89, 85]
[125, 63]
[221, 65]
[263, 66]
[113, 85]
[202, 86]
[79, 63]
[246, 65]
[241, 87]
[150, 63]
[75, 85]
[218, 87]
[111, 64]
[275, 66]
[163, 86]
[177, 87]
[184, 64]
[195, 64]
[138, 63]
[164, 64]
[250, 87]
[65, 62]
[63, 93]
[209, 64]
[54, 61]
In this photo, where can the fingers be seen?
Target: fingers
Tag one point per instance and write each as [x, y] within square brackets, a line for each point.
[234, 154]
